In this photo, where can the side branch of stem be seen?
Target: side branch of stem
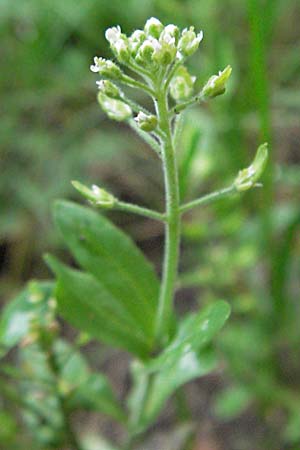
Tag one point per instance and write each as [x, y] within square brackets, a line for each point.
[209, 198]
[141, 211]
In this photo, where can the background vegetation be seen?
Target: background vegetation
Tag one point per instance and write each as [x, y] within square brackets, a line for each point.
[247, 252]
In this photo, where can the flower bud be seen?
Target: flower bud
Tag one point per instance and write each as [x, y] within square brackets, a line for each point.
[106, 68]
[182, 84]
[164, 55]
[146, 122]
[146, 50]
[108, 88]
[135, 41]
[172, 30]
[189, 41]
[165, 52]
[115, 109]
[96, 195]
[121, 49]
[216, 85]
[153, 27]
[113, 34]
[247, 178]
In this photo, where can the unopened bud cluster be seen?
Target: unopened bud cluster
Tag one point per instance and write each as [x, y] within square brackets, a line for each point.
[153, 49]
[156, 44]
[157, 53]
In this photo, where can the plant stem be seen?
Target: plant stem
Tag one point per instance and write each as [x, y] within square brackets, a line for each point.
[172, 227]
[129, 207]
[136, 84]
[181, 106]
[209, 198]
[145, 136]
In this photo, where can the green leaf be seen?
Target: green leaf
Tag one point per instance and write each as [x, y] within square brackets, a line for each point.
[163, 384]
[95, 394]
[80, 387]
[195, 332]
[73, 367]
[87, 305]
[232, 402]
[186, 358]
[40, 403]
[114, 260]
[32, 302]
[83, 388]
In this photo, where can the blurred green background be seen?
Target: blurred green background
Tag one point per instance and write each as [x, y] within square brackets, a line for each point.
[246, 250]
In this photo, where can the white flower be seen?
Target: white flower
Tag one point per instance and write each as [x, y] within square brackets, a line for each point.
[217, 83]
[167, 39]
[136, 40]
[153, 27]
[120, 46]
[108, 88]
[147, 49]
[166, 50]
[155, 43]
[95, 67]
[137, 36]
[189, 41]
[106, 68]
[115, 109]
[172, 30]
[199, 36]
[147, 122]
[113, 34]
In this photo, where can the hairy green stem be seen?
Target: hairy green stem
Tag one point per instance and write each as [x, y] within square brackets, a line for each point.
[129, 207]
[145, 136]
[172, 227]
[182, 106]
[209, 198]
[133, 105]
[172, 72]
[136, 84]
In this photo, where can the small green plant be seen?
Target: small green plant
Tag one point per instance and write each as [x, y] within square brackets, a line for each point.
[116, 297]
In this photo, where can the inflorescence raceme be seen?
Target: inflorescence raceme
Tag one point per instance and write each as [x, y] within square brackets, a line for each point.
[157, 54]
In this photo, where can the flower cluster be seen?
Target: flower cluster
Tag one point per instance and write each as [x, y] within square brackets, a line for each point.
[157, 53]
[153, 46]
